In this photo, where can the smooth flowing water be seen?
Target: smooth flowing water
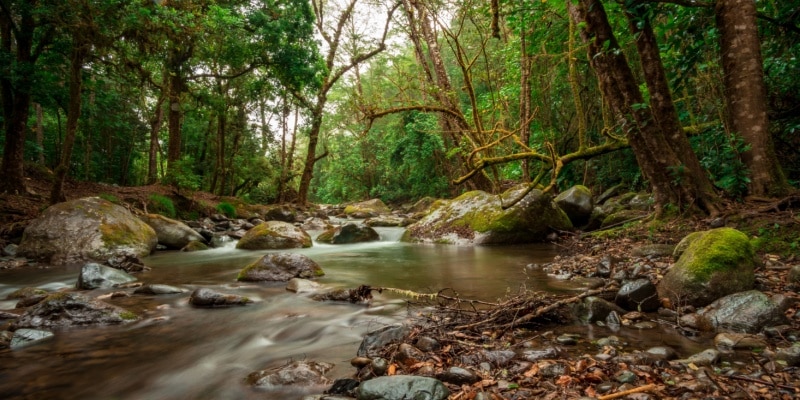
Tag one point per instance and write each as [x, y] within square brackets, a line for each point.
[181, 352]
[177, 351]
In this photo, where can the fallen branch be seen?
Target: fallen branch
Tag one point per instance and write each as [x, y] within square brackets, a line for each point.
[624, 393]
[552, 307]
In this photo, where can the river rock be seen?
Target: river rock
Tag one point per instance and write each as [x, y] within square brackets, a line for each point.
[9, 250]
[661, 353]
[387, 220]
[7, 315]
[577, 202]
[716, 264]
[5, 339]
[203, 297]
[653, 250]
[171, 233]
[349, 233]
[65, 309]
[88, 229]
[477, 218]
[408, 354]
[704, 358]
[24, 337]
[427, 343]
[280, 267]
[594, 309]
[747, 312]
[26, 292]
[280, 213]
[274, 235]
[299, 285]
[342, 386]
[298, 373]
[316, 224]
[158, 289]
[794, 275]
[458, 376]
[738, 341]
[790, 355]
[402, 387]
[376, 340]
[366, 209]
[498, 358]
[194, 245]
[548, 353]
[96, 276]
[638, 295]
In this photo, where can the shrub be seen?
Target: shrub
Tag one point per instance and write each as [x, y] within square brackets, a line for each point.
[227, 209]
[162, 205]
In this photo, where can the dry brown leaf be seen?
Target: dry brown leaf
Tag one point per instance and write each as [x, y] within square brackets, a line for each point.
[392, 369]
[565, 380]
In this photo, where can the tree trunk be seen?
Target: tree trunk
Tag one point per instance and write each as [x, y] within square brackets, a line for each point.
[77, 57]
[174, 120]
[311, 153]
[653, 151]
[39, 133]
[16, 100]
[155, 127]
[663, 108]
[745, 93]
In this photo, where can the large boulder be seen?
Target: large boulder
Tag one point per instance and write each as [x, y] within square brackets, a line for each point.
[65, 309]
[367, 209]
[577, 203]
[349, 233]
[171, 233]
[280, 267]
[274, 235]
[748, 312]
[717, 263]
[478, 217]
[87, 229]
[96, 276]
[401, 387]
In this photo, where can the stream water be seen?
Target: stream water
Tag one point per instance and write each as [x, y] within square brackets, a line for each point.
[180, 352]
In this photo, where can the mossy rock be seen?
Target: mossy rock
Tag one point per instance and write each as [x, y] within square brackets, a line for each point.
[349, 233]
[715, 264]
[194, 245]
[577, 202]
[87, 229]
[367, 209]
[621, 217]
[478, 217]
[274, 235]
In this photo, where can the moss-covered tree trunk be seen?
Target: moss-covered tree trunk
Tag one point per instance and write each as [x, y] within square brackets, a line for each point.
[671, 183]
[745, 93]
[663, 108]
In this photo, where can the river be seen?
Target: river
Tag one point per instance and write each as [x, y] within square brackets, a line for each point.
[176, 351]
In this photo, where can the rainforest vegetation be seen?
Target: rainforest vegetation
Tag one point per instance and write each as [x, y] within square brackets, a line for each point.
[334, 101]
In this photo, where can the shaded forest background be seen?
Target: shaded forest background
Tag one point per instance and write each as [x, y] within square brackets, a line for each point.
[335, 101]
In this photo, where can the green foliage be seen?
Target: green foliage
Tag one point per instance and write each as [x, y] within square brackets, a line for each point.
[183, 176]
[227, 209]
[720, 155]
[109, 197]
[161, 205]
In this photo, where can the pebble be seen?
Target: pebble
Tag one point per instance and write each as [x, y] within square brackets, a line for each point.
[567, 340]
[625, 376]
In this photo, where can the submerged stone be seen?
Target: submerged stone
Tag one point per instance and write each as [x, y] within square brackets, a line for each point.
[203, 297]
[72, 309]
[24, 337]
[298, 373]
[281, 267]
[402, 387]
[96, 276]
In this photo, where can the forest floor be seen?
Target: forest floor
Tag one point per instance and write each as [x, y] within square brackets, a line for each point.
[777, 222]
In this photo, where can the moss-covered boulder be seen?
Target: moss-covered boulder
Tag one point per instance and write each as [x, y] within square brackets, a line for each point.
[349, 233]
[367, 209]
[171, 233]
[478, 218]
[280, 267]
[716, 263]
[577, 202]
[274, 235]
[87, 229]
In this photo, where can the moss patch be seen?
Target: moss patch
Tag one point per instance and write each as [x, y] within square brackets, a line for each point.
[722, 249]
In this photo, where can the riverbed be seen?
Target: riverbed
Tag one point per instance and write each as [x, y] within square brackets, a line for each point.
[176, 351]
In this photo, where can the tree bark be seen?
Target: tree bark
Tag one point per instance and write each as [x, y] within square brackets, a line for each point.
[39, 133]
[654, 153]
[16, 98]
[745, 93]
[155, 127]
[78, 55]
[663, 107]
